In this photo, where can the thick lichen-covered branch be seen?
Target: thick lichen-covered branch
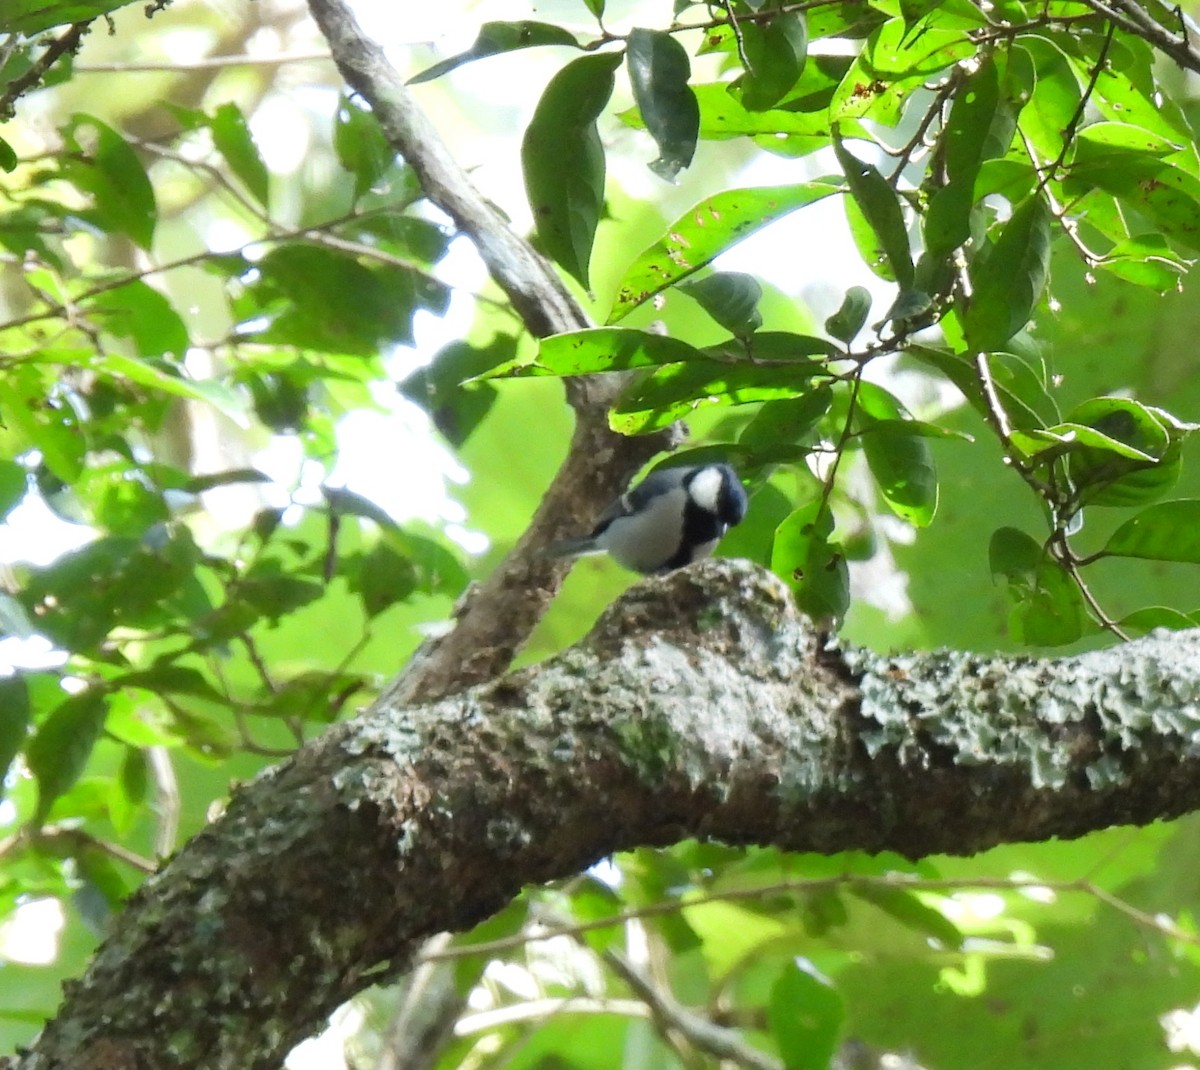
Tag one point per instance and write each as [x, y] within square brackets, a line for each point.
[701, 705]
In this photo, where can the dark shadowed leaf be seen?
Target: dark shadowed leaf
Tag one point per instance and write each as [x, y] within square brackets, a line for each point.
[776, 53]
[848, 320]
[14, 721]
[659, 72]
[731, 298]
[361, 146]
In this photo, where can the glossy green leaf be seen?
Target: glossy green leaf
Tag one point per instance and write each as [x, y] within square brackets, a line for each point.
[658, 72]
[731, 298]
[805, 1014]
[706, 230]
[776, 53]
[849, 319]
[899, 459]
[773, 346]
[497, 37]
[8, 156]
[810, 564]
[1168, 531]
[674, 390]
[563, 161]
[1047, 608]
[102, 165]
[61, 745]
[232, 137]
[14, 721]
[880, 207]
[1008, 278]
[361, 146]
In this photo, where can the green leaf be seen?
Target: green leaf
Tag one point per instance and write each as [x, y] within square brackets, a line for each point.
[232, 137]
[328, 300]
[706, 230]
[1146, 260]
[58, 752]
[1047, 608]
[899, 459]
[598, 349]
[731, 298]
[979, 128]
[786, 420]
[891, 66]
[385, 579]
[14, 721]
[14, 481]
[804, 558]
[563, 161]
[912, 912]
[1144, 621]
[1168, 531]
[361, 146]
[880, 207]
[102, 165]
[805, 1016]
[674, 390]
[1130, 456]
[8, 156]
[848, 320]
[142, 314]
[497, 37]
[659, 72]
[31, 17]
[776, 54]
[1008, 278]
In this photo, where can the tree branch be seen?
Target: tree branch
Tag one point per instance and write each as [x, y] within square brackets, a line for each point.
[700, 705]
[499, 614]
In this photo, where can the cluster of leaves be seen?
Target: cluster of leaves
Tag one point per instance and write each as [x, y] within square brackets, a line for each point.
[156, 622]
[1020, 128]
[771, 959]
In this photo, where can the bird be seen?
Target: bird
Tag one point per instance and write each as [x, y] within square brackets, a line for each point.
[675, 516]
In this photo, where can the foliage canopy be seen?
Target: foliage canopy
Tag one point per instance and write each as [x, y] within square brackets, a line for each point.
[981, 434]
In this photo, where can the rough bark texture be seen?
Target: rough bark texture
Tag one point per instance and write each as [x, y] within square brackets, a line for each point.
[701, 705]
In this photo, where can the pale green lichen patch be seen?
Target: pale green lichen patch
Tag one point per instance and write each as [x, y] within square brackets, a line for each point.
[1056, 718]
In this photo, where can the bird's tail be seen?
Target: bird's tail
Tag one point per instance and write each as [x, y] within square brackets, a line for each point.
[576, 547]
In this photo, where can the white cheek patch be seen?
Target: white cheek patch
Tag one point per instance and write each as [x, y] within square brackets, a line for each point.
[705, 489]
